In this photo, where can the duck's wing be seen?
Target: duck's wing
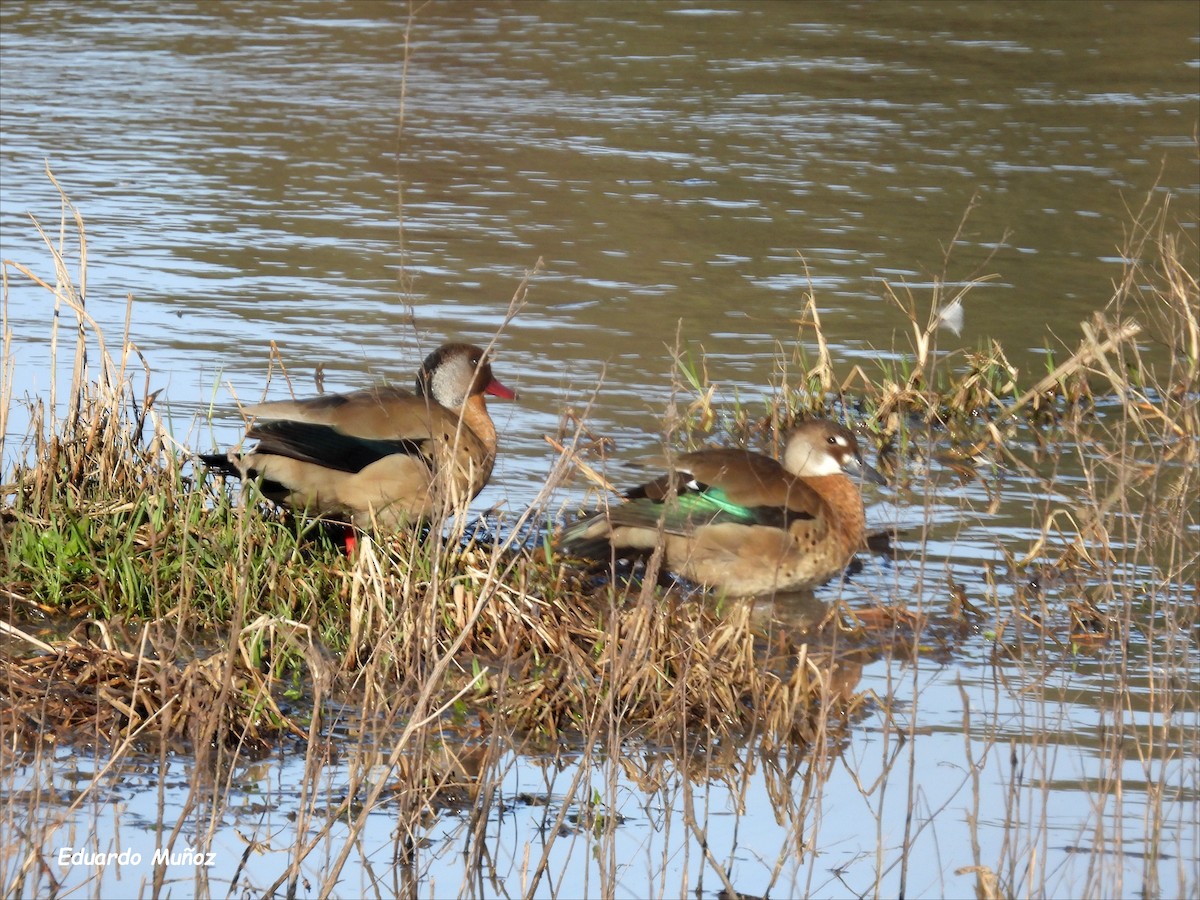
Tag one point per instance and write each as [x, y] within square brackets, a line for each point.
[329, 447]
[348, 432]
[705, 488]
[388, 413]
[718, 486]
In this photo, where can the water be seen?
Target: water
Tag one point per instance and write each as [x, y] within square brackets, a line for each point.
[256, 174]
[757, 817]
[245, 179]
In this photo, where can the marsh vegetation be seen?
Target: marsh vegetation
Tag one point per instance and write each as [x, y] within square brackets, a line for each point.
[155, 613]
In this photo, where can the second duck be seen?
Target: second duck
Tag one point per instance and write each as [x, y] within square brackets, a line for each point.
[741, 522]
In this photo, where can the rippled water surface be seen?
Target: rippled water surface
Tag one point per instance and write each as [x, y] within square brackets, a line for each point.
[284, 174]
[270, 175]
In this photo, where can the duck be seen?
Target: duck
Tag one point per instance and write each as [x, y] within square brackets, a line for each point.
[741, 522]
[382, 456]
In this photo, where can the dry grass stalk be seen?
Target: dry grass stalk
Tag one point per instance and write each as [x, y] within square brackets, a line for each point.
[81, 691]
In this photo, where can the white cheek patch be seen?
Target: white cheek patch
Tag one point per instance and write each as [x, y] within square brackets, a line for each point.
[822, 464]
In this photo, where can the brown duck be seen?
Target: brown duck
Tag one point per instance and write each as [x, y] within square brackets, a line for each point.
[382, 455]
[742, 522]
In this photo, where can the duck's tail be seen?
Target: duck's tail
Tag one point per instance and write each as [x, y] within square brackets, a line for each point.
[221, 463]
[586, 539]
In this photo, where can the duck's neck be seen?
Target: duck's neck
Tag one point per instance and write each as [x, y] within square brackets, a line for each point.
[845, 502]
[475, 416]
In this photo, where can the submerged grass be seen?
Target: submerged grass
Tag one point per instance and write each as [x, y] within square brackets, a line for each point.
[150, 608]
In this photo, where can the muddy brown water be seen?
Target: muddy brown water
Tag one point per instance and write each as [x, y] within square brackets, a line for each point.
[255, 173]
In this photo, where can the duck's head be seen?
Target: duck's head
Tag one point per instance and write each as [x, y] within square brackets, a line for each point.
[821, 447]
[453, 373]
